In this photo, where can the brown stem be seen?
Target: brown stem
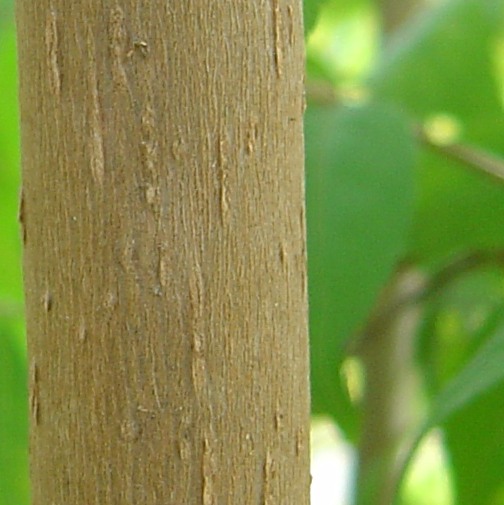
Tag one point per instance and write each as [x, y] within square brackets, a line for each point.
[322, 93]
[390, 412]
[447, 274]
[395, 13]
[473, 157]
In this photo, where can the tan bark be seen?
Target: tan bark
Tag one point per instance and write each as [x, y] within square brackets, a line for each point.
[163, 221]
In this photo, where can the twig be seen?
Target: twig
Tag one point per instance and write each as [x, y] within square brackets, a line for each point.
[473, 157]
[450, 272]
[476, 158]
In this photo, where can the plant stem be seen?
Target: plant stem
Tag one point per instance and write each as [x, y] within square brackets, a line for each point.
[390, 406]
[473, 157]
[394, 14]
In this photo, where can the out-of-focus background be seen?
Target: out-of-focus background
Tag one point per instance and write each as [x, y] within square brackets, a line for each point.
[405, 196]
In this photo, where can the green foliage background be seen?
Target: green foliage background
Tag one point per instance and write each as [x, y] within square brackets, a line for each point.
[13, 401]
[378, 197]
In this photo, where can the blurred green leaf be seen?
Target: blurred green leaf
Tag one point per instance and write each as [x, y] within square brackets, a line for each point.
[466, 316]
[359, 197]
[13, 419]
[458, 211]
[10, 273]
[475, 437]
[481, 373]
[311, 11]
[457, 320]
[445, 64]
[467, 407]
[6, 13]
[13, 402]
[344, 42]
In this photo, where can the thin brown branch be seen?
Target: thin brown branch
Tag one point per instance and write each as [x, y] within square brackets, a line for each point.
[320, 92]
[472, 157]
[475, 158]
[389, 410]
[395, 14]
[386, 348]
[446, 275]
[389, 307]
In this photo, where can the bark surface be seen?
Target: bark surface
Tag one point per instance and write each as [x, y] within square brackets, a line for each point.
[163, 220]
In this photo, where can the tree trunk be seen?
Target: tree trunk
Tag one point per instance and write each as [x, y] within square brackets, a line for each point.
[163, 223]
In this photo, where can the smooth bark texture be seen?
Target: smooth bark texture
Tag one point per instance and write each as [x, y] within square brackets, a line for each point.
[163, 221]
